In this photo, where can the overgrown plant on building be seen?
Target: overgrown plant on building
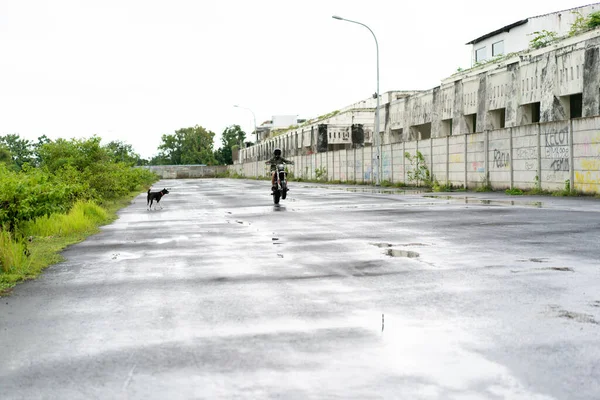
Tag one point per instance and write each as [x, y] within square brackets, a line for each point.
[321, 174]
[485, 186]
[441, 187]
[583, 23]
[419, 173]
[542, 38]
[537, 189]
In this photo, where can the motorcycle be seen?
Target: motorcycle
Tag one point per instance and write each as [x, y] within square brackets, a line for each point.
[281, 183]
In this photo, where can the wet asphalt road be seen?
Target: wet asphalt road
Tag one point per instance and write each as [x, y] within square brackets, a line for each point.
[338, 293]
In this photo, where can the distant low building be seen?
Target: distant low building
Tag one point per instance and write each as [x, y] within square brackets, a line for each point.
[276, 123]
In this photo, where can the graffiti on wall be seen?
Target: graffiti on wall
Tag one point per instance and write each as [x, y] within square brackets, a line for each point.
[477, 166]
[560, 164]
[501, 159]
[527, 153]
[557, 149]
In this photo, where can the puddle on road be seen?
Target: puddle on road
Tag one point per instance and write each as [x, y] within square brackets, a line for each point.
[384, 245]
[474, 200]
[562, 269]
[535, 260]
[559, 312]
[369, 189]
[382, 191]
[401, 253]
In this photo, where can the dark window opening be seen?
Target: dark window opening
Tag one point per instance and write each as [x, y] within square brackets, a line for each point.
[531, 113]
[471, 122]
[535, 112]
[576, 105]
[397, 135]
[447, 127]
[421, 132]
[498, 118]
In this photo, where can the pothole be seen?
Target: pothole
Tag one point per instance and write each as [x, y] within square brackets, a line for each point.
[401, 253]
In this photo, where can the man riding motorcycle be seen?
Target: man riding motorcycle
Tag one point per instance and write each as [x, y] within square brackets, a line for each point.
[273, 161]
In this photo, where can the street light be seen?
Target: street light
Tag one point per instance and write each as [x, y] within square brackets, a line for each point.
[255, 131]
[376, 136]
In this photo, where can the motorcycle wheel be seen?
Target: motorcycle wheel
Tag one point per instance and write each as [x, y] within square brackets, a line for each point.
[283, 190]
[276, 195]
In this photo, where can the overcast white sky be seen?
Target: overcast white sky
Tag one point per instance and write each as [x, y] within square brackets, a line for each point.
[133, 70]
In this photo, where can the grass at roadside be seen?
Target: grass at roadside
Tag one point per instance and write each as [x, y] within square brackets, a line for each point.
[43, 239]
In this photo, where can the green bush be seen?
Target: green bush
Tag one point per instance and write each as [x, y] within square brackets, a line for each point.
[419, 172]
[593, 20]
[514, 192]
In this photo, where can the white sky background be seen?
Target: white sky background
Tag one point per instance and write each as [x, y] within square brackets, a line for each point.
[133, 70]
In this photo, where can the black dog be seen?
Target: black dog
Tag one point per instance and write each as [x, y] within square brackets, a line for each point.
[155, 196]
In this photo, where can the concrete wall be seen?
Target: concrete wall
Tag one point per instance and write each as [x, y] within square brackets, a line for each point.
[544, 155]
[187, 171]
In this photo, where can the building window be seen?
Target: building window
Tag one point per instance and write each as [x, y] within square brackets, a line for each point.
[576, 103]
[497, 118]
[498, 48]
[480, 54]
[421, 132]
[471, 123]
[397, 135]
[447, 127]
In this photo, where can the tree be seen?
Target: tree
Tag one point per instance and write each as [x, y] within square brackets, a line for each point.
[193, 145]
[42, 140]
[20, 149]
[5, 156]
[120, 151]
[231, 136]
[76, 153]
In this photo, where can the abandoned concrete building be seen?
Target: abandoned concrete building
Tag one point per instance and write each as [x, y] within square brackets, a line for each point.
[559, 81]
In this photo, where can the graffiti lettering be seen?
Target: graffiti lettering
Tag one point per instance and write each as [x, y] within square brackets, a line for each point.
[557, 148]
[561, 164]
[529, 166]
[557, 152]
[529, 152]
[560, 138]
[501, 159]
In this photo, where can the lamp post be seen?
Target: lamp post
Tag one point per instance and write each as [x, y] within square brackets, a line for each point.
[376, 135]
[255, 131]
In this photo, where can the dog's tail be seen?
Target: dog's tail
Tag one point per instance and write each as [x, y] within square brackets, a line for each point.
[149, 190]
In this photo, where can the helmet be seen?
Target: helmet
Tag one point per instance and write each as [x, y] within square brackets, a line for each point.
[277, 152]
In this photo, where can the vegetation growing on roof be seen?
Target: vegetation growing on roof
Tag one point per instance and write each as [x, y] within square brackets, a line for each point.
[542, 38]
[583, 24]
